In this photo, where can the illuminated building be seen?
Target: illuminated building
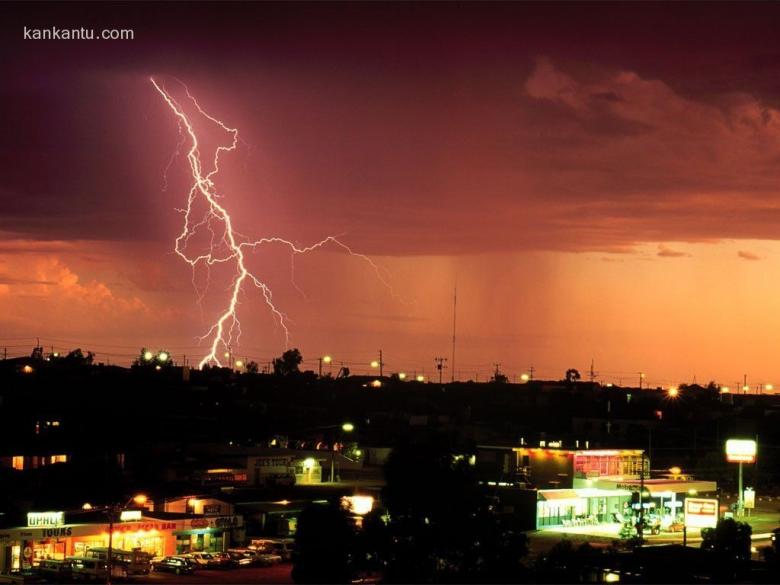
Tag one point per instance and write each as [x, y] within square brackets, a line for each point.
[56, 535]
[580, 488]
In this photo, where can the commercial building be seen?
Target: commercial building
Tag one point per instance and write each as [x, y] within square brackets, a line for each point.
[590, 487]
[59, 534]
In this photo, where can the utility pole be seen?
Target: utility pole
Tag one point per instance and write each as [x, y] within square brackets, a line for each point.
[593, 374]
[381, 363]
[497, 373]
[641, 377]
[531, 371]
[454, 317]
[440, 365]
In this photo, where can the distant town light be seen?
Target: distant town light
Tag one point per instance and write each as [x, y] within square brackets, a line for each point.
[239, 364]
[227, 354]
[420, 378]
[525, 377]
[140, 499]
[327, 359]
[769, 387]
[745, 388]
[374, 364]
[376, 383]
[148, 355]
[401, 376]
[675, 470]
[27, 369]
[673, 392]
[724, 390]
[86, 506]
[163, 356]
[347, 427]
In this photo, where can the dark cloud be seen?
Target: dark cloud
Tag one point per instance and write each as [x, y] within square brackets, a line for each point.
[582, 133]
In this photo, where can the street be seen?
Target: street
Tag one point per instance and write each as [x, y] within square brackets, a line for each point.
[275, 574]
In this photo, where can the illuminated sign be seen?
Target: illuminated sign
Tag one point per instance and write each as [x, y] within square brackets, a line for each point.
[359, 505]
[45, 519]
[701, 513]
[749, 498]
[130, 515]
[741, 451]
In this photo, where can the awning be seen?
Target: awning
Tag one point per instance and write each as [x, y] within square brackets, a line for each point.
[553, 495]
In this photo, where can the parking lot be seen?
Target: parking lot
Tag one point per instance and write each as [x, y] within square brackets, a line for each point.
[275, 574]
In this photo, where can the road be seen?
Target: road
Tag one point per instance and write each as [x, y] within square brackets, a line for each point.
[275, 574]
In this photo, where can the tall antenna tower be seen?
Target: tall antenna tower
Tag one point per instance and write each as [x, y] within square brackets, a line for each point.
[454, 317]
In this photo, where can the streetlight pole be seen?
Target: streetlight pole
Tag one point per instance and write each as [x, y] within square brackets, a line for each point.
[740, 494]
[111, 511]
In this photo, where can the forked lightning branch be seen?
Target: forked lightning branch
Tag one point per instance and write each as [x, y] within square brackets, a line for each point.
[229, 247]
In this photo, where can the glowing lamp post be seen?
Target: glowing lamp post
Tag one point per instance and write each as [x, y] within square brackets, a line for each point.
[111, 511]
[741, 451]
[326, 359]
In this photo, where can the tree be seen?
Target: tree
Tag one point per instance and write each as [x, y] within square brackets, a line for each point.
[442, 526]
[729, 540]
[77, 357]
[572, 375]
[288, 364]
[252, 367]
[323, 545]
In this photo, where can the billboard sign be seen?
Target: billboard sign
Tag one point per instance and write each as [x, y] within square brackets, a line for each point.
[45, 519]
[701, 512]
[741, 451]
[749, 498]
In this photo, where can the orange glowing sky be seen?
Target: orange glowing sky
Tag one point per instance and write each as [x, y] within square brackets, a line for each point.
[599, 180]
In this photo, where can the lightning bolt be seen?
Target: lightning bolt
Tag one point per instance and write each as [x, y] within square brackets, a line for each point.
[226, 244]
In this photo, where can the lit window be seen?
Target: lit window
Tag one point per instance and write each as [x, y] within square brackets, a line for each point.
[18, 462]
[58, 459]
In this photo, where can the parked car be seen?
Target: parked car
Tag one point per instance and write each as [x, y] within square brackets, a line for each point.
[277, 546]
[55, 570]
[224, 559]
[84, 568]
[267, 559]
[206, 560]
[242, 557]
[178, 565]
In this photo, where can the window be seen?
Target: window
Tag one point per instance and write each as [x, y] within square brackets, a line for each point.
[58, 459]
[18, 462]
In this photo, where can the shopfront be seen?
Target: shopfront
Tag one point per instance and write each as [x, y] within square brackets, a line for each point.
[209, 534]
[579, 507]
[22, 548]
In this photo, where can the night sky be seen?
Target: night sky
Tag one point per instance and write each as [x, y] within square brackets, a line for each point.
[599, 179]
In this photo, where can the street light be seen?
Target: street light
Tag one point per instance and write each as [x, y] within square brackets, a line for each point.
[420, 378]
[374, 364]
[525, 377]
[163, 356]
[148, 355]
[347, 427]
[110, 511]
[326, 359]
[673, 392]
[401, 376]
